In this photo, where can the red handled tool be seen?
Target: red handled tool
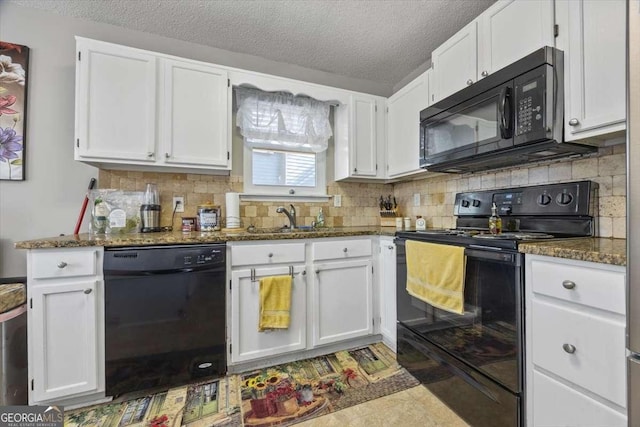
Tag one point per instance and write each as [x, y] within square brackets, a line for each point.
[92, 184]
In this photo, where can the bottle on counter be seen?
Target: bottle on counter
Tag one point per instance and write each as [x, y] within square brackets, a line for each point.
[495, 222]
[320, 219]
[421, 224]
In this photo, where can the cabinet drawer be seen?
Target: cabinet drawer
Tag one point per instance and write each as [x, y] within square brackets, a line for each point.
[342, 249]
[594, 287]
[555, 404]
[598, 362]
[63, 263]
[267, 254]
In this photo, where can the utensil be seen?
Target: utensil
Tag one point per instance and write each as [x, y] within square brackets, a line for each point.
[83, 209]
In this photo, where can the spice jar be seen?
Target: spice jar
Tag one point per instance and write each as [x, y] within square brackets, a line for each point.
[208, 218]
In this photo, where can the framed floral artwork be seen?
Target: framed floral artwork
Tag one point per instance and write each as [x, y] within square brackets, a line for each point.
[14, 61]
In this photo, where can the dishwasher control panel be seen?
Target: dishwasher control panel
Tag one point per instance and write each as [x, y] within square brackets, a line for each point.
[152, 259]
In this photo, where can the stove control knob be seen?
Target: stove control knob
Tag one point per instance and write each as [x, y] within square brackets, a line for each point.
[476, 203]
[544, 199]
[465, 203]
[564, 199]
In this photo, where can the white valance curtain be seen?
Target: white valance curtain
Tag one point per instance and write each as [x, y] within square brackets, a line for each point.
[281, 121]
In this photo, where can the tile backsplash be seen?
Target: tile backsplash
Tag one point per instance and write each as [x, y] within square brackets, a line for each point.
[607, 167]
[359, 201]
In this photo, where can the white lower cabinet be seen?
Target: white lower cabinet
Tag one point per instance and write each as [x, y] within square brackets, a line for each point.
[331, 301]
[575, 332]
[342, 300]
[247, 342]
[65, 325]
[387, 291]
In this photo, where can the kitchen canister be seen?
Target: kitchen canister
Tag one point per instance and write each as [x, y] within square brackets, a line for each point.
[208, 218]
[407, 223]
[399, 223]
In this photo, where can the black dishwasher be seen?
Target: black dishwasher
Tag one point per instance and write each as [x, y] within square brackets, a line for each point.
[165, 316]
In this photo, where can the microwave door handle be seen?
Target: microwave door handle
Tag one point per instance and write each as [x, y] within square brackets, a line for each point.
[506, 112]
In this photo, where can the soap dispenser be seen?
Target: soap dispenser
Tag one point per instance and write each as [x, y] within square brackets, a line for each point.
[495, 222]
[320, 219]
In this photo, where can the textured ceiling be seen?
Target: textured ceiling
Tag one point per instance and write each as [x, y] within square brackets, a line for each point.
[380, 41]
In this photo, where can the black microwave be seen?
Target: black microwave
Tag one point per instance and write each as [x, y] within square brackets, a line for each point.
[511, 117]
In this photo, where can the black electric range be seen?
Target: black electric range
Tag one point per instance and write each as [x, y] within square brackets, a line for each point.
[474, 361]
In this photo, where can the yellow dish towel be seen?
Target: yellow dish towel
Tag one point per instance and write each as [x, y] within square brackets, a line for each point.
[275, 302]
[435, 274]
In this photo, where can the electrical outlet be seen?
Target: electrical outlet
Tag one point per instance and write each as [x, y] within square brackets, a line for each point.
[416, 199]
[337, 201]
[178, 203]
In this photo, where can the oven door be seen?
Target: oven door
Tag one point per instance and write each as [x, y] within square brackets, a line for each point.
[479, 125]
[489, 334]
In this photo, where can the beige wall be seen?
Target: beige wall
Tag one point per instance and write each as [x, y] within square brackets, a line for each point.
[607, 168]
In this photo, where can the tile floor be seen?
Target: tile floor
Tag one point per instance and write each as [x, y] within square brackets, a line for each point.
[415, 407]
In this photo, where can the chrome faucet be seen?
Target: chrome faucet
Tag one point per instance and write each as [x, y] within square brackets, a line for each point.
[291, 214]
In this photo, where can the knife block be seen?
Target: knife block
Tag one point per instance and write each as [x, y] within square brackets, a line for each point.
[388, 217]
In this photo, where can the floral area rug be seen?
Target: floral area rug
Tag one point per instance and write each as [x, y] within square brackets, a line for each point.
[276, 396]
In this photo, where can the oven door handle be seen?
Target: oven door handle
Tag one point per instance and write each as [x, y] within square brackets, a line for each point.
[491, 255]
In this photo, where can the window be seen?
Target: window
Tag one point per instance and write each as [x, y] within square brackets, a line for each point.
[285, 142]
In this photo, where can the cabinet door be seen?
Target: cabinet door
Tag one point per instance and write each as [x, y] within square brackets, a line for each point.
[592, 35]
[342, 293]
[455, 62]
[246, 342]
[64, 339]
[363, 136]
[403, 141]
[512, 29]
[556, 404]
[116, 102]
[194, 123]
[388, 292]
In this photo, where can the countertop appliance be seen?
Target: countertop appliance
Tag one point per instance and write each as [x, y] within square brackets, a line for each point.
[633, 211]
[474, 362]
[150, 210]
[513, 116]
[165, 316]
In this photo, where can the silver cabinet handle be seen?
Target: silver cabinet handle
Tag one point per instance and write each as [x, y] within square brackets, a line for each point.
[569, 348]
[469, 82]
[87, 291]
[574, 122]
[484, 73]
[344, 250]
[317, 271]
[62, 264]
[355, 170]
[151, 154]
[166, 155]
[568, 284]
[391, 248]
[270, 255]
[304, 272]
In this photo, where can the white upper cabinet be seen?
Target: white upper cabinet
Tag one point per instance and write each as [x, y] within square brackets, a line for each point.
[511, 29]
[194, 126]
[363, 135]
[144, 110]
[403, 126]
[592, 36]
[116, 102]
[359, 136]
[455, 62]
[507, 31]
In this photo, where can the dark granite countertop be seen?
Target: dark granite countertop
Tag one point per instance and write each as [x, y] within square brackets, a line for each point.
[12, 295]
[173, 238]
[594, 249]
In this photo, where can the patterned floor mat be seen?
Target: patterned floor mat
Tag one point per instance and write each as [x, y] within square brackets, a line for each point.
[276, 396]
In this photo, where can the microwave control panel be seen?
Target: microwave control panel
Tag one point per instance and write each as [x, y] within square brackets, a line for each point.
[530, 105]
